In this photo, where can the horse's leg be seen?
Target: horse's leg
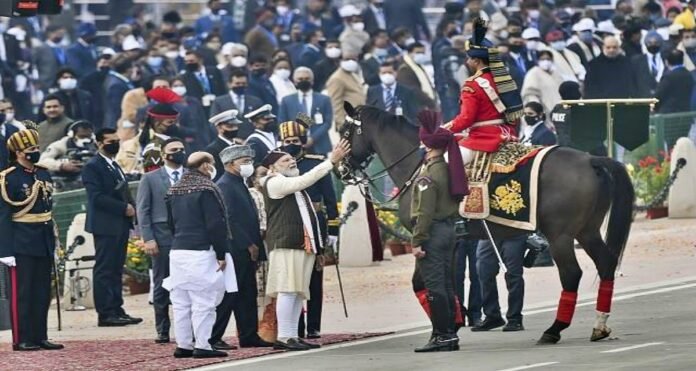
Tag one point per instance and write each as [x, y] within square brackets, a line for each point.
[570, 273]
[606, 264]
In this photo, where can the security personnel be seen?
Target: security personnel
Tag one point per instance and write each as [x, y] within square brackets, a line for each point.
[263, 139]
[28, 240]
[434, 205]
[293, 135]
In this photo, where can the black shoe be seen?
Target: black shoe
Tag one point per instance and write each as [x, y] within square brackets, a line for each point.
[489, 324]
[292, 344]
[222, 345]
[25, 347]
[205, 353]
[47, 345]
[513, 326]
[257, 343]
[183, 353]
[310, 345]
[313, 335]
[474, 322]
[131, 320]
[162, 339]
[113, 322]
[440, 344]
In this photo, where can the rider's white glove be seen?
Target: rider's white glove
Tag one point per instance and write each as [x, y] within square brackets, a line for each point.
[333, 240]
[8, 261]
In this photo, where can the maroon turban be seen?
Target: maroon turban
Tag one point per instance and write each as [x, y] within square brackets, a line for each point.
[433, 136]
[271, 158]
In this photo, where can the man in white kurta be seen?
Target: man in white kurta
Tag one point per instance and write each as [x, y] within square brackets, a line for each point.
[293, 238]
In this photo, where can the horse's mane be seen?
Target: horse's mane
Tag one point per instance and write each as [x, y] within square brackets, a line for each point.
[383, 118]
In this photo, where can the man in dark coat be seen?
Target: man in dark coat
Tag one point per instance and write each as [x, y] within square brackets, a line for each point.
[649, 68]
[247, 250]
[610, 75]
[202, 82]
[675, 89]
[82, 55]
[227, 127]
[392, 96]
[117, 84]
[93, 83]
[238, 98]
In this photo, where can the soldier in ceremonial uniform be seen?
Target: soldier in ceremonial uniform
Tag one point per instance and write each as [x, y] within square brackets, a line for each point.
[490, 103]
[263, 139]
[28, 240]
[293, 135]
[434, 209]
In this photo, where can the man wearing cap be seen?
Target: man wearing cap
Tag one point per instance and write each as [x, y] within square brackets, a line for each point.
[227, 126]
[293, 135]
[489, 108]
[263, 139]
[26, 226]
[247, 250]
[293, 237]
[82, 55]
[434, 209]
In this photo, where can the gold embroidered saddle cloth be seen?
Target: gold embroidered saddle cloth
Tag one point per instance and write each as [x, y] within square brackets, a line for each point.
[503, 185]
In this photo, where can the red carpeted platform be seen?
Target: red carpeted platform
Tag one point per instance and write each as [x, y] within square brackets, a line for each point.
[140, 354]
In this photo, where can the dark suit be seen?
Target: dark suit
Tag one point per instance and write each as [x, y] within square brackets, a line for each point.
[115, 87]
[244, 225]
[152, 216]
[407, 77]
[262, 88]
[224, 25]
[47, 62]
[404, 98]
[370, 19]
[93, 83]
[82, 59]
[541, 136]
[195, 89]
[319, 132]
[309, 56]
[643, 75]
[409, 14]
[4, 153]
[674, 91]
[323, 69]
[370, 70]
[214, 149]
[225, 102]
[107, 221]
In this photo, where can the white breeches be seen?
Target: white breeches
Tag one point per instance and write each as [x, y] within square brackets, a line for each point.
[288, 310]
[194, 316]
[467, 155]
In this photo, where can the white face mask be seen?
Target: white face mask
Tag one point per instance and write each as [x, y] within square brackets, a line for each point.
[546, 65]
[67, 84]
[179, 90]
[558, 45]
[689, 43]
[282, 10]
[246, 170]
[9, 116]
[350, 65]
[358, 26]
[409, 41]
[421, 58]
[532, 45]
[213, 172]
[82, 142]
[333, 53]
[171, 54]
[238, 61]
[283, 73]
[387, 78]
[534, 14]
[155, 62]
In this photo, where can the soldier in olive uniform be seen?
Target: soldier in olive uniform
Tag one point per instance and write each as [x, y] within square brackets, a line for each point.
[434, 208]
[28, 240]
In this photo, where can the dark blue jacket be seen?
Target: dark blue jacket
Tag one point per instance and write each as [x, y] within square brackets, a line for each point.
[543, 136]
[33, 239]
[82, 59]
[321, 191]
[224, 25]
[262, 88]
[4, 153]
[115, 89]
[241, 212]
[106, 205]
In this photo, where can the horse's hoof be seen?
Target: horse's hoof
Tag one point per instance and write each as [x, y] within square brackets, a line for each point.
[599, 334]
[547, 339]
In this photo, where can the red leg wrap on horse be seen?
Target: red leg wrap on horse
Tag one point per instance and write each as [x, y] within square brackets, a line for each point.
[566, 306]
[606, 291]
[422, 296]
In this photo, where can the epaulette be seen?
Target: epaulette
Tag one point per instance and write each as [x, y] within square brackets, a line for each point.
[312, 156]
[474, 76]
[7, 171]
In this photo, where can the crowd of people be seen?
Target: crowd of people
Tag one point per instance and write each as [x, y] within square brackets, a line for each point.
[248, 79]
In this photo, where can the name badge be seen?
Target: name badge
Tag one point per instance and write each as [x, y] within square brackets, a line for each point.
[399, 111]
[318, 118]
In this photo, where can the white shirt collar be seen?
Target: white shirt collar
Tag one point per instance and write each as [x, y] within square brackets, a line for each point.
[170, 171]
[108, 160]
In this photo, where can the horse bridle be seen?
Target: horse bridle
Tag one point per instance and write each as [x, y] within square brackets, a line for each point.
[357, 175]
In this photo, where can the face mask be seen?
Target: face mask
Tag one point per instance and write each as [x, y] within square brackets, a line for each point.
[350, 65]
[67, 84]
[292, 149]
[409, 41]
[33, 157]
[558, 45]
[420, 58]
[178, 158]
[192, 67]
[380, 52]
[230, 134]
[171, 54]
[282, 10]
[246, 170]
[283, 73]
[534, 14]
[546, 65]
[653, 49]
[9, 116]
[179, 90]
[271, 127]
[689, 43]
[358, 26]
[532, 120]
[112, 148]
[586, 37]
[304, 85]
[104, 68]
[238, 61]
[259, 72]
[387, 78]
[532, 45]
[155, 62]
[333, 53]
[213, 172]
[81, 142]
[239, 90]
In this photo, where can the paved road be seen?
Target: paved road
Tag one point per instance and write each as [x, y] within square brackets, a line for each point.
[654, 329]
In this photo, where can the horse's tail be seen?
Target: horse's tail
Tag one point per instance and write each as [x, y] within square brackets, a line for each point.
[622, 199]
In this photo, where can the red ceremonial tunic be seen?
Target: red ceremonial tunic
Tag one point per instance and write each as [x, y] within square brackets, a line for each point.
[476, 106]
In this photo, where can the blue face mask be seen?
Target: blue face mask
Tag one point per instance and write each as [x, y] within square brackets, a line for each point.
[586, 36]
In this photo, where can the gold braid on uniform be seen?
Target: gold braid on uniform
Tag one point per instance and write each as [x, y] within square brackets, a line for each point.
[39, 185]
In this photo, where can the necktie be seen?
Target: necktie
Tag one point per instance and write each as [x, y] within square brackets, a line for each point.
[117, 170]
[305, 104]
[521, 64]
[653, 65]
[389, 102]
[60, 55]
[175, 176]
[204, 82]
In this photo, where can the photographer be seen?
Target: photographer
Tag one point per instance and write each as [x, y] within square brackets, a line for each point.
[65, 157]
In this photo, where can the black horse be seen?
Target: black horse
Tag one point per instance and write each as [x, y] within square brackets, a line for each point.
[576, 191]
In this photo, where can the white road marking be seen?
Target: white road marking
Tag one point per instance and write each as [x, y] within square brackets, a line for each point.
[422, 331]
[617, 350]
[530, 366]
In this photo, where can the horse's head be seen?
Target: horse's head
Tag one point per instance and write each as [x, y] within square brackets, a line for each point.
[361, 150]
